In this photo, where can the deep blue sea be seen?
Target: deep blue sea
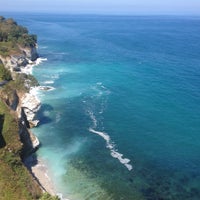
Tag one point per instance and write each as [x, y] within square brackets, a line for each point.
[123, 119]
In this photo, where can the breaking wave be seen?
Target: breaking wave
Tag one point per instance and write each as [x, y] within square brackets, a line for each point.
[98, 124]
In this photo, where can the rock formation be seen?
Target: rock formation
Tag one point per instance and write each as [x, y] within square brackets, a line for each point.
[21, 59]
[30, 105]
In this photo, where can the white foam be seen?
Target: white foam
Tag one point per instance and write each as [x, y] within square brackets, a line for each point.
[60, 196]
[29, 68]
[43, 47]
[40, 60]
[58, 117]
[49, 82]
[114, 153]
[34, 91]
[55, 76]
[94, 120]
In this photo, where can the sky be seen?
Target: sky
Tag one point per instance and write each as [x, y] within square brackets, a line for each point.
[130, 7]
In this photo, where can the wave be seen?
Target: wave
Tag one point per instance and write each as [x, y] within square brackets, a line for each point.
[60, 196]
[49, 82]
[40, 60]
[34, 91]
[58, 117]
[114, 153]
[28, 69]
[97, 104]
[93, 118]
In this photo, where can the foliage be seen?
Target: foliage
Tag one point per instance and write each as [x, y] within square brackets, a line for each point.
[13, 35]
[5, 74]
[47, 196]
[22, 83]
[15, 180]
[10, 31]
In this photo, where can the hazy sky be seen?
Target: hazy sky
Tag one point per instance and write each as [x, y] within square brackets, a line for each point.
[183, 7]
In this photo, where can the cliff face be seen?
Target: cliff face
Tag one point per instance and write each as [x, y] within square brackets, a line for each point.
[15, 180]
[18, 112]
[25, 107]
[23, 103]
[30, 106]
[24, 57]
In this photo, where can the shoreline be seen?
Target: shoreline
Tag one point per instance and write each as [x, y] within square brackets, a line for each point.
[37, 167]
[39, 171]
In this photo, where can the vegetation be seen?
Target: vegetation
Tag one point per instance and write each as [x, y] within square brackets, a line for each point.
[15, 180]
[13, 35]
[47, 196]
[5, 74]
[10, 31]
[23, 82]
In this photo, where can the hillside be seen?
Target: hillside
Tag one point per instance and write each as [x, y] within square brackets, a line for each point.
[12, 36]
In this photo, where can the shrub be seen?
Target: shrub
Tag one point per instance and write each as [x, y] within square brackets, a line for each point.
[5, 74]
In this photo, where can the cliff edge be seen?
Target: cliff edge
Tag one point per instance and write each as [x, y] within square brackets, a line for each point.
[18, 112]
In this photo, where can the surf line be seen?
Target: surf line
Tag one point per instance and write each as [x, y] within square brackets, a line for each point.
[114, 153]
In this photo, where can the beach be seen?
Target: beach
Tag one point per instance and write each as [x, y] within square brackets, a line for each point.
[40, 172]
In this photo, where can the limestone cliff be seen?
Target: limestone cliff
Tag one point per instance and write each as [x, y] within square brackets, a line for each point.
[18, 99]
[15, 62]
[30, 105]
[18, 112]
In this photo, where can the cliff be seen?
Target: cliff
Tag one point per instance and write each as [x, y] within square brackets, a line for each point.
[15, 62]
[18, 111]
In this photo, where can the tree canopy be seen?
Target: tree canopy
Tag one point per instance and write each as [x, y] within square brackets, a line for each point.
[11, 32]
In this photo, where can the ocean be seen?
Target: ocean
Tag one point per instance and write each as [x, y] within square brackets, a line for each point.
[122, 121]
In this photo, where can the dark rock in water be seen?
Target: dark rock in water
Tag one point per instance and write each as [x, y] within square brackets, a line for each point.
[46, 88]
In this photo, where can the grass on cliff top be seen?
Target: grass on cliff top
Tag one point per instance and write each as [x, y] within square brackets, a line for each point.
[15, 180]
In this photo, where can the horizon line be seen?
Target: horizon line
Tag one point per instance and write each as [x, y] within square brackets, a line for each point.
[105, 14]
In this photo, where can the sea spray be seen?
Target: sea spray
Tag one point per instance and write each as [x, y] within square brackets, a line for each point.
[114, 153]
[102, 94]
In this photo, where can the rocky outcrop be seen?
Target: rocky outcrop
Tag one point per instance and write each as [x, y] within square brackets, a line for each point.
[10, 98]
[29, 140]
[13, 101]
[30, 53]
[30, 106]
[24, 57]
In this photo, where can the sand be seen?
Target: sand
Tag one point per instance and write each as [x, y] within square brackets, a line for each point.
[40, 173]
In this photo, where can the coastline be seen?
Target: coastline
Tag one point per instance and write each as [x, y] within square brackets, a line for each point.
[39, 172]
[37, 167]
[19, 95]
[34, 164]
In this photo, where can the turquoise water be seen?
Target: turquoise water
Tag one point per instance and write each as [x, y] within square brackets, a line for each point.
[123, 85]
